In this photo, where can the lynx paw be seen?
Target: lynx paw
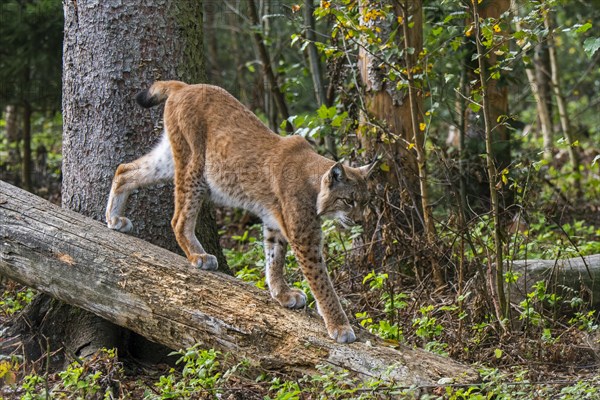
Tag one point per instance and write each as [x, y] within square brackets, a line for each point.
[342, 334]
[294, 298]
[204, 261]
[121, 224]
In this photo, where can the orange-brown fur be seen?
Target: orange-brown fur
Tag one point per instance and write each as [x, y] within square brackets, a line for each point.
[218, 148]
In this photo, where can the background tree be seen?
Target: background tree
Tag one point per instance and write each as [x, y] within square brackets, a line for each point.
[30, 52]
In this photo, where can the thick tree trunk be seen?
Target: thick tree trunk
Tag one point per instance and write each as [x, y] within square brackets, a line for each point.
[159, 295]
[112, 50]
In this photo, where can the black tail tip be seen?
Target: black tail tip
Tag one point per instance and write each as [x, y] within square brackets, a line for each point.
[146, 100]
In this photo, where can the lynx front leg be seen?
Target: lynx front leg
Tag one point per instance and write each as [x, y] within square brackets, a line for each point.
[275, 249]
[154, 167]
[307, 247]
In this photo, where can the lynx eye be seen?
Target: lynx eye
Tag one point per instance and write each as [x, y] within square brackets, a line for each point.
[348, 202]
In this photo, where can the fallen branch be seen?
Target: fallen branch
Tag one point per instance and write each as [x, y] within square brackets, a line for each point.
[159, 295]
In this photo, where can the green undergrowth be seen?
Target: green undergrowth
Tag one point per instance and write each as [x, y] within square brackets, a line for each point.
[209, 374]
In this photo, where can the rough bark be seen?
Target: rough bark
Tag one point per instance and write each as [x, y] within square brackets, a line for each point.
[159, 295]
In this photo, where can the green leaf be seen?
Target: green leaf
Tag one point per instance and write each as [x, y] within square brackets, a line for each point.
[591, 45]
[474, 107]
[498, 353]
[584, 28]
[325, 112]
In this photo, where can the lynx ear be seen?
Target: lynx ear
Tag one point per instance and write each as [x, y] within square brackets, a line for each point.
[336, 174]
[367, 170]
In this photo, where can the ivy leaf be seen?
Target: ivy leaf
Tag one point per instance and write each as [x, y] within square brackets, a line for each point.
[591, 45]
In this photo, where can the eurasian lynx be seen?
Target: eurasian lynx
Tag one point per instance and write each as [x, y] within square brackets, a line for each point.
[214, 146]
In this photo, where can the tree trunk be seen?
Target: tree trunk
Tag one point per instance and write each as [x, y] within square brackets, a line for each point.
[103, 127]
[543, 94]
[487, 107]
[561, 104]
[211, 13]
[159, 295]
[265, 59]
[400, 142]
[112, 50]
[13, 137]
[496, 91]
[315, 68]
[26, 166]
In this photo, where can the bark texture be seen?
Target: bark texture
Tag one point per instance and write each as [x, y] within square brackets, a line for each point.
[159, 295]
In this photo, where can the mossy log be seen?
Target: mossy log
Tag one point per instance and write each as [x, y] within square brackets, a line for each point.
[159, 295]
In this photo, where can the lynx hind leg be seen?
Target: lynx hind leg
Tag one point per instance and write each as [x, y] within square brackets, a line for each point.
[154, 167]
[275, 249]
[190, 191]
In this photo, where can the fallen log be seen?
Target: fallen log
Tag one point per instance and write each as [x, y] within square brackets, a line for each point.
[566, 277]
[157, 294]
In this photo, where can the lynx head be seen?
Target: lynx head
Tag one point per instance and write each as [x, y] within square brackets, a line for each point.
[344, 194]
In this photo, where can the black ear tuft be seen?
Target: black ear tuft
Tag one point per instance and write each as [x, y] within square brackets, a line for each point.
[146, 100]
[337, 173]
